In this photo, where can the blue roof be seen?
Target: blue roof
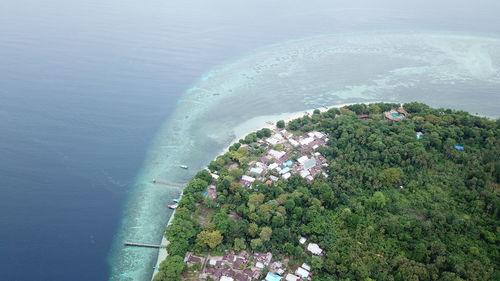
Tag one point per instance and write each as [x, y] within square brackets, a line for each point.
[272, 277]
[288, 163]
[459, 147]
[285, 170]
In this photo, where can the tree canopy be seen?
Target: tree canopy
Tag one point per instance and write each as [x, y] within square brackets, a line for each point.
[393, 207]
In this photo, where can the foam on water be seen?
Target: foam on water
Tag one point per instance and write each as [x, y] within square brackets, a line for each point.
[297, 75]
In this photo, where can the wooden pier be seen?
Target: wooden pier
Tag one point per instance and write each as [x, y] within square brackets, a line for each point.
[167, 183]
[144, 245]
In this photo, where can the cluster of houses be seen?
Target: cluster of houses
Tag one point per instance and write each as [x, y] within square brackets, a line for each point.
[278, 272]
[285, 155]
[296, 155]
[245, 266]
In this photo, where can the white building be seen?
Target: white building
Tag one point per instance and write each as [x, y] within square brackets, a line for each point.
[273, 166]
[302, 160]
[306, 267]
[314, 249]
[293, 142]
[277, 136]
[318, 135]
[225, 278]
[286, 176]
[306, 141]
[273, 178]
[272, 141]
[302, 240]
[248, 178]
[291, 277]
[276, 154]
[302, 272]
[304, 173]
[260, 165]
[285, 133]
[275, 139]
[256, 171]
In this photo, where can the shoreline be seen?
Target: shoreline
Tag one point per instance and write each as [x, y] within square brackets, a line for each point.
[162, 252]
[240, 131]
[263, 121]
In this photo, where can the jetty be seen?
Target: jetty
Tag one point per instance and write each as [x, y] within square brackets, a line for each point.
[144, 245]
[167, 183]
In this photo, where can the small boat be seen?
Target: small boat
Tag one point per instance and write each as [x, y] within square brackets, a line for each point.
[172, 206]
[177, 200]
[184, 166]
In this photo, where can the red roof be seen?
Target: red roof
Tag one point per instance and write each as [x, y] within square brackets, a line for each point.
[363, 116]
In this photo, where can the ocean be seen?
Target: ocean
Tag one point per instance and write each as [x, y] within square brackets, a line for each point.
[99, 97]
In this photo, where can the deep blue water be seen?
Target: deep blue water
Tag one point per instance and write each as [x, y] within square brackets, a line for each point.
[84, 87]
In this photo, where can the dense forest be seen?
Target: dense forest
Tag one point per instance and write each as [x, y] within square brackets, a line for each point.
[394, 206]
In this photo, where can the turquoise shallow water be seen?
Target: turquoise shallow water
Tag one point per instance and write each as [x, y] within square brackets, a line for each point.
[436, 69]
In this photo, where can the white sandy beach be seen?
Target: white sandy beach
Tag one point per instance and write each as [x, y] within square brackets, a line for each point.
[269, 121]
[162, 252]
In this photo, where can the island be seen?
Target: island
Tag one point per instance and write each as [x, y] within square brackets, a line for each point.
[377, 191]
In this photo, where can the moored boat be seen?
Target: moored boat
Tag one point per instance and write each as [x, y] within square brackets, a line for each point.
[172, 206]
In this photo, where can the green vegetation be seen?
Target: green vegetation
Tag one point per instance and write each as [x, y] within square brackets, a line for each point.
[280, 124]
[394, 207]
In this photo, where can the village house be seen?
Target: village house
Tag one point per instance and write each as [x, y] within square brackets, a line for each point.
[191, 259]
[291, 277]
[275, 139]
[247, 180]
[273, 166]
[302, 240]
[302, 272]
[256, 171]
[236, 266]
[315, 249]
[293, 142]
[302, 159]
[306, 267]
[276, 154]
[306, 141]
